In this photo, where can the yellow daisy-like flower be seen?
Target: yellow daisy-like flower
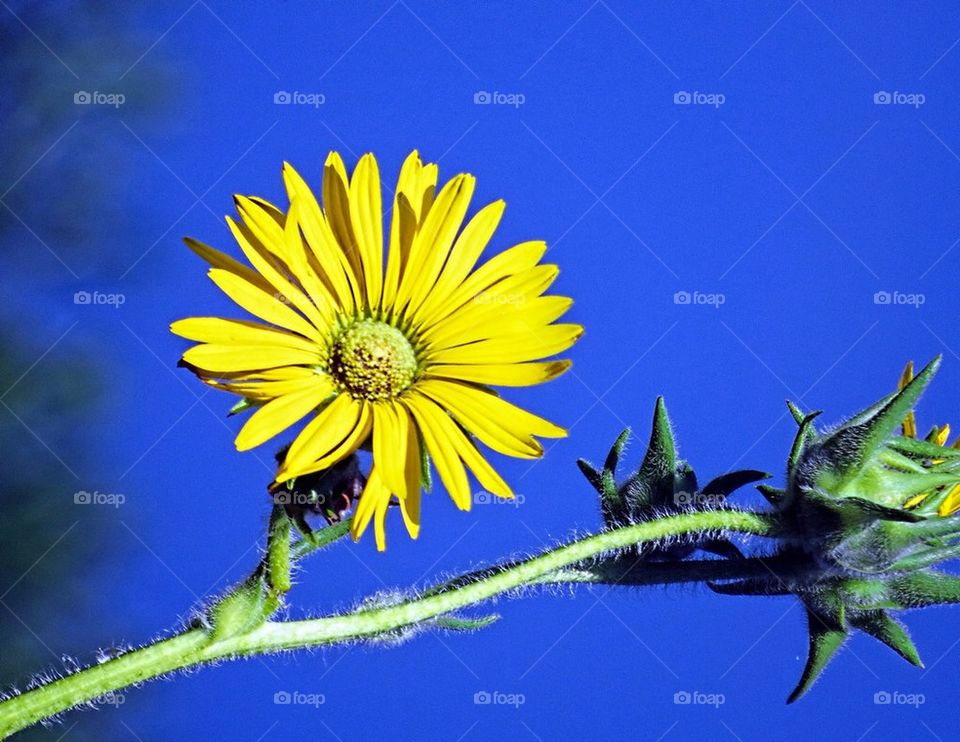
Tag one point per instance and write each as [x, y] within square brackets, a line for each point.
[938, 436]
[399, 354]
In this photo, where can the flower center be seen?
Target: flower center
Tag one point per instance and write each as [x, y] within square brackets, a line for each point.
[372, 360]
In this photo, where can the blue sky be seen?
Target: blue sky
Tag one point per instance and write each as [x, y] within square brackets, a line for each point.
[791, 168]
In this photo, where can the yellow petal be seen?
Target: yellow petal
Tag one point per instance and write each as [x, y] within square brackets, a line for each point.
[374, 500]
[502, 374]
[261, 219]
[233, 358]
[410, 502]
[279, 414]
[942, 435]
[336, 208]
[517, 259]
[446, 429]
[516, 299]
[951, 503]
[525, 346]
[217, 259]
[463, 256]
[403, 225]
[461, 397]
[332, 263]
[499, 424]
[263, 305]
[238, 332]
[366, 216]
[317, 309]
[322, 440]
[906, 377]
[433, 240]
[441, 448]
[390, 445]
[263, 391]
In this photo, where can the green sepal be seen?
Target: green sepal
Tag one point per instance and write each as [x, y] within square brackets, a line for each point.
[867, 510]
[795, 412]
[593, 476]
[849, 447]
[426, 477]
[728, 483]
[609, 474]
[802, 439]
[827, 634]
[458, 623]
[881, 626]
[922, 449]
[661, 457]
[922, 589]
[243, 404]
[751, 586]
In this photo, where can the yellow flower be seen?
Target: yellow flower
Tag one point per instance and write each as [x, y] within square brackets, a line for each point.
[400, 355]
[937, 436]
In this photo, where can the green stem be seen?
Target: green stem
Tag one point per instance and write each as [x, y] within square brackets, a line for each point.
[197, 646]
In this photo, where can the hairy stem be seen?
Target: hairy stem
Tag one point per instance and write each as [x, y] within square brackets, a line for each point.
[198, 646]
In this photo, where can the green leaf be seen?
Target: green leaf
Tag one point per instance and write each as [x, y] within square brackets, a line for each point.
[891, 632]
[827, 634]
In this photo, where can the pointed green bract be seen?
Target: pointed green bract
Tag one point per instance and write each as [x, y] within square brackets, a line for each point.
[725, 484]
[661, 457]
[848, 448]
[827, 634]
[802, 439]
[888, 630]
